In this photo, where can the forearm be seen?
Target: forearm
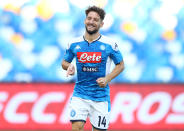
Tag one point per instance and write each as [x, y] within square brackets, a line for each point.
[115, 72]
[70, 69]
[65, 64]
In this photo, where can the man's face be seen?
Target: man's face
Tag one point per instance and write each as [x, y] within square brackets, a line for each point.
[93, 22]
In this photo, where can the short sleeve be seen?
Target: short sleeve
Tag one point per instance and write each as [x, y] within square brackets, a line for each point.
[69, 55]
[115, 54]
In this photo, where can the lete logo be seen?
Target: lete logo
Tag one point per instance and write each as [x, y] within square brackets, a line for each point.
[89, 57]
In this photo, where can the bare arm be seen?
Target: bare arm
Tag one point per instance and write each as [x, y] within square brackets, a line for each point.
[68, 67]
[65, 64]
[115, 72]
[102, 82]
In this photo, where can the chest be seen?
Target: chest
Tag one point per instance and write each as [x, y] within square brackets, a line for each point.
[91, 53]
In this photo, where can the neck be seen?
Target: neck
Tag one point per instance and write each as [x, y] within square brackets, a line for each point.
[91, 38]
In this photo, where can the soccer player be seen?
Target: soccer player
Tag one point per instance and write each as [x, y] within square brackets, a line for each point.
[94, 53]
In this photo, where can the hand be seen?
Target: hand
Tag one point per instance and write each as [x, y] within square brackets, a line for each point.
[102, 82]
[70, 70]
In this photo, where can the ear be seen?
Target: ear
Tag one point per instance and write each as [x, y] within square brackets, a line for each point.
[84, 21]
[102, 23]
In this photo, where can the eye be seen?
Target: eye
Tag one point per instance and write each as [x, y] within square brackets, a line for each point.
[95, 19]
[88, 18]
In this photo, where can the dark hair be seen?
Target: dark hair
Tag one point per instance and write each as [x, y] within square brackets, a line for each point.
[96, 9]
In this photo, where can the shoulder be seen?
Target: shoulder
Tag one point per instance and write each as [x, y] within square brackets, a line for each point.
[109, 41]
[75, 40]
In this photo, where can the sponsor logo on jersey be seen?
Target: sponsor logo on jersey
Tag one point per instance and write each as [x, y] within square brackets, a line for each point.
[89, 69]
[89, 57]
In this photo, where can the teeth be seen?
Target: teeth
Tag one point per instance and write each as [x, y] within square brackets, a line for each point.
[90, 26]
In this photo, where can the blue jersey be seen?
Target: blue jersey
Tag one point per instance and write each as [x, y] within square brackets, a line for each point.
[93, 61]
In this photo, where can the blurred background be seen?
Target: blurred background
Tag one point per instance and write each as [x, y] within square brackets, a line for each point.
[35, 33]
[34, 90]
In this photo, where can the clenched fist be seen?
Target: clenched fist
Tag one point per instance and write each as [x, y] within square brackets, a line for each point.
[102, 82]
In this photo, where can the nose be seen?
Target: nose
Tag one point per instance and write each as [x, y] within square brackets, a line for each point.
[91, 21]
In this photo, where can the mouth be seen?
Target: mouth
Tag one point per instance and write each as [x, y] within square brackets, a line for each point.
[91, 29]
[90, 26]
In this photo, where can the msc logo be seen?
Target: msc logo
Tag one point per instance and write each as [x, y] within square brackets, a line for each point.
[89, 69]
[89, 57]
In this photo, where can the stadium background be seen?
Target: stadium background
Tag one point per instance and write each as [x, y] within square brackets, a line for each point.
[35, 33]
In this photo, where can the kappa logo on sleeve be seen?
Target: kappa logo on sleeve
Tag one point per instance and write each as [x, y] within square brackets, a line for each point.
[89, 57]
[116, 47]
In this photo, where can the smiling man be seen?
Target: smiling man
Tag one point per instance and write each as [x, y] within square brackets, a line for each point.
[94, 53]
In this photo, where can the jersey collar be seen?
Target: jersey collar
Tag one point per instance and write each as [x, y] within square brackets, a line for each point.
[93, 40]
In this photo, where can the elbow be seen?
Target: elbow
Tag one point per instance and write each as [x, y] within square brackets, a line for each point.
[63, 65]
[122, 66]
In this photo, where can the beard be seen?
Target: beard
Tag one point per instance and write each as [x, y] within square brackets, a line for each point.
[91, 32]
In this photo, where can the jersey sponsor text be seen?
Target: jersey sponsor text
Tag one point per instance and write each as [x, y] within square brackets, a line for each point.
[89, 57]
